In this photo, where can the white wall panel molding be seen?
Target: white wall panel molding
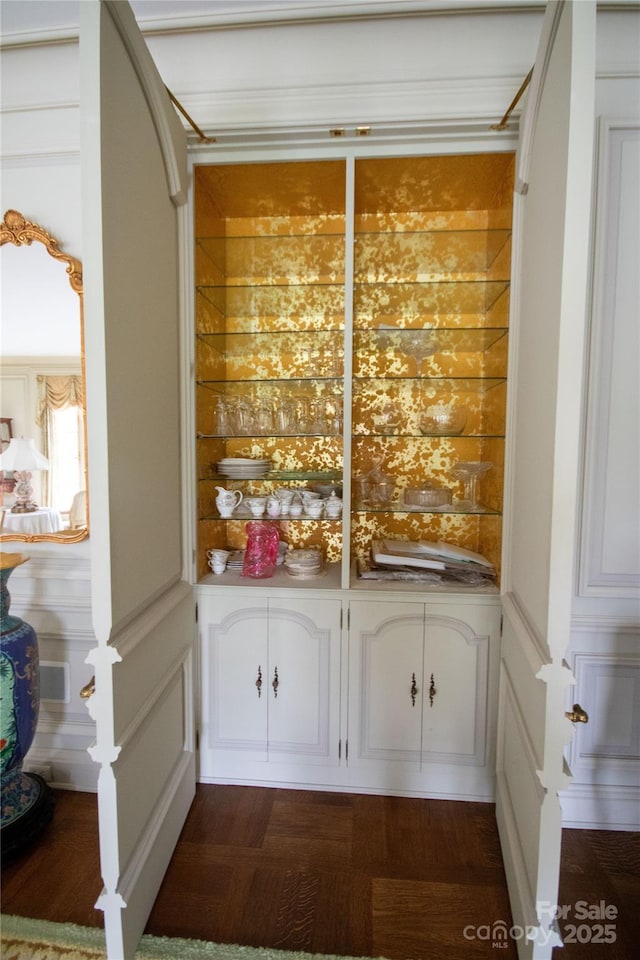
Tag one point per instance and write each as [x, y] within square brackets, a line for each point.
[52, 592]
[608, 688]
[50, 558]
[618, 42]
[68, 769]
[609, 542]
[59, 25]
[611, 625]
[52, 135]
[601, 807]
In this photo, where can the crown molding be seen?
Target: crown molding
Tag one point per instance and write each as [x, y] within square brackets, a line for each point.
[254, 13]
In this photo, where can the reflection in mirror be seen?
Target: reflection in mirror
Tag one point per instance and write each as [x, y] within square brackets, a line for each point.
[43, 385]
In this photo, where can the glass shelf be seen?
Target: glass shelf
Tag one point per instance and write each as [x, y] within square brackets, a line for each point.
[296, 307]
[432, 341]
[230, 343]
[399, 508]
[414, 434]
[430, 387]
[275, 260]
[272, 356]
[427, 256]
[302, 476]
[247, 515]
[302, 383]
[427, 304]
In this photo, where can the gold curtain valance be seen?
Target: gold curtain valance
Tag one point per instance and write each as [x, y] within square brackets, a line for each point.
[58, 392]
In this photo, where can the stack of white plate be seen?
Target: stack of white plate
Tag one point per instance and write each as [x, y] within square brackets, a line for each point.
[303, 564]
[243, 467]
[235, 560]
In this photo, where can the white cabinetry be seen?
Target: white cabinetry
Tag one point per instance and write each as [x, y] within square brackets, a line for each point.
[419, 708]
[271, 686]
[409, 710]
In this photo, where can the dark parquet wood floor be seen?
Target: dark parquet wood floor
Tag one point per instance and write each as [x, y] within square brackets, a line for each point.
[335, 873]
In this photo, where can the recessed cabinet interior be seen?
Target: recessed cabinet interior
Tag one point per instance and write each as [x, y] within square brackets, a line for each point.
[352, 330]
[270, 327]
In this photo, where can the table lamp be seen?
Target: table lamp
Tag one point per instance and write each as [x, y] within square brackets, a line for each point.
[22, 457]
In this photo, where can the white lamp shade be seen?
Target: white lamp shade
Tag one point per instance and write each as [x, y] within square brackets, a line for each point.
[23, 455]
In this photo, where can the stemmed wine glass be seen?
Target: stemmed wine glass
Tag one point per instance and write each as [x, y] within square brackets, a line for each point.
[468, 472]
[419, 344]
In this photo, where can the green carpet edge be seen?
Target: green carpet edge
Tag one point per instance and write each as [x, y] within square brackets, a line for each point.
[150, 947]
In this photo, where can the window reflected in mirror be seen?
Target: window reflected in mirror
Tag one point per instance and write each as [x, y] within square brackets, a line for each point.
[42, 386]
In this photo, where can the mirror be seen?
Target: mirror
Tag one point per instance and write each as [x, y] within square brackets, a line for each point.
[43, 375]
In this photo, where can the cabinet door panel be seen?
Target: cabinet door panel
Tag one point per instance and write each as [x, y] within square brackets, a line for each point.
[134, 172]
[456, 698]
[304, 650]
[389, 639]
[235, 655]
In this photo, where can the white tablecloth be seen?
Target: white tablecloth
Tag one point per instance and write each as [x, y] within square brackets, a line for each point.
[43, 520]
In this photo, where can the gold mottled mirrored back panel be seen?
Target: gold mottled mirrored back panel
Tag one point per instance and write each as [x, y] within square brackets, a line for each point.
[430, 320]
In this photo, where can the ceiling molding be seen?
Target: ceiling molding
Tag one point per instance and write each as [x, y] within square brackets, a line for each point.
[181, 16]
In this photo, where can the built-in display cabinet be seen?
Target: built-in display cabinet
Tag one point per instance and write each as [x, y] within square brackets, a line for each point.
[353, 331]
[351, 337]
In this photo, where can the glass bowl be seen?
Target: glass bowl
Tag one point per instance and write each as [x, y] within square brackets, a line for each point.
[441, 419]
[427, 497]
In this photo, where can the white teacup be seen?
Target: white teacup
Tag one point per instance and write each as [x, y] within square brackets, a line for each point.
[218, 560]
[257, 505]
[314, 508]
[333, 507]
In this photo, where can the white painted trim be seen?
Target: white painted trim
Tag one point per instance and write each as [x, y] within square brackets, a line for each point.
[158, 608]
[70, 769]
[532, 644]
[263, 13]
[605, 623]
[520, 893]
[168, 128]
[601, 807]
[534, 96]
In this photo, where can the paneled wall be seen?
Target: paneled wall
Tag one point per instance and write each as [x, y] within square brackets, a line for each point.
[605, 643]
[52, 592]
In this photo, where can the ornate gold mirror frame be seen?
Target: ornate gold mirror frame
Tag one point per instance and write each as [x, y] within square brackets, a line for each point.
[20, 232]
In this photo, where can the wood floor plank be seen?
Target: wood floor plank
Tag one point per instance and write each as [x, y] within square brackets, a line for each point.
[444, 919]
[332, 929]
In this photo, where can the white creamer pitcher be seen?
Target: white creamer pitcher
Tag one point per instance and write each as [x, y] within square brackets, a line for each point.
[227, 501]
